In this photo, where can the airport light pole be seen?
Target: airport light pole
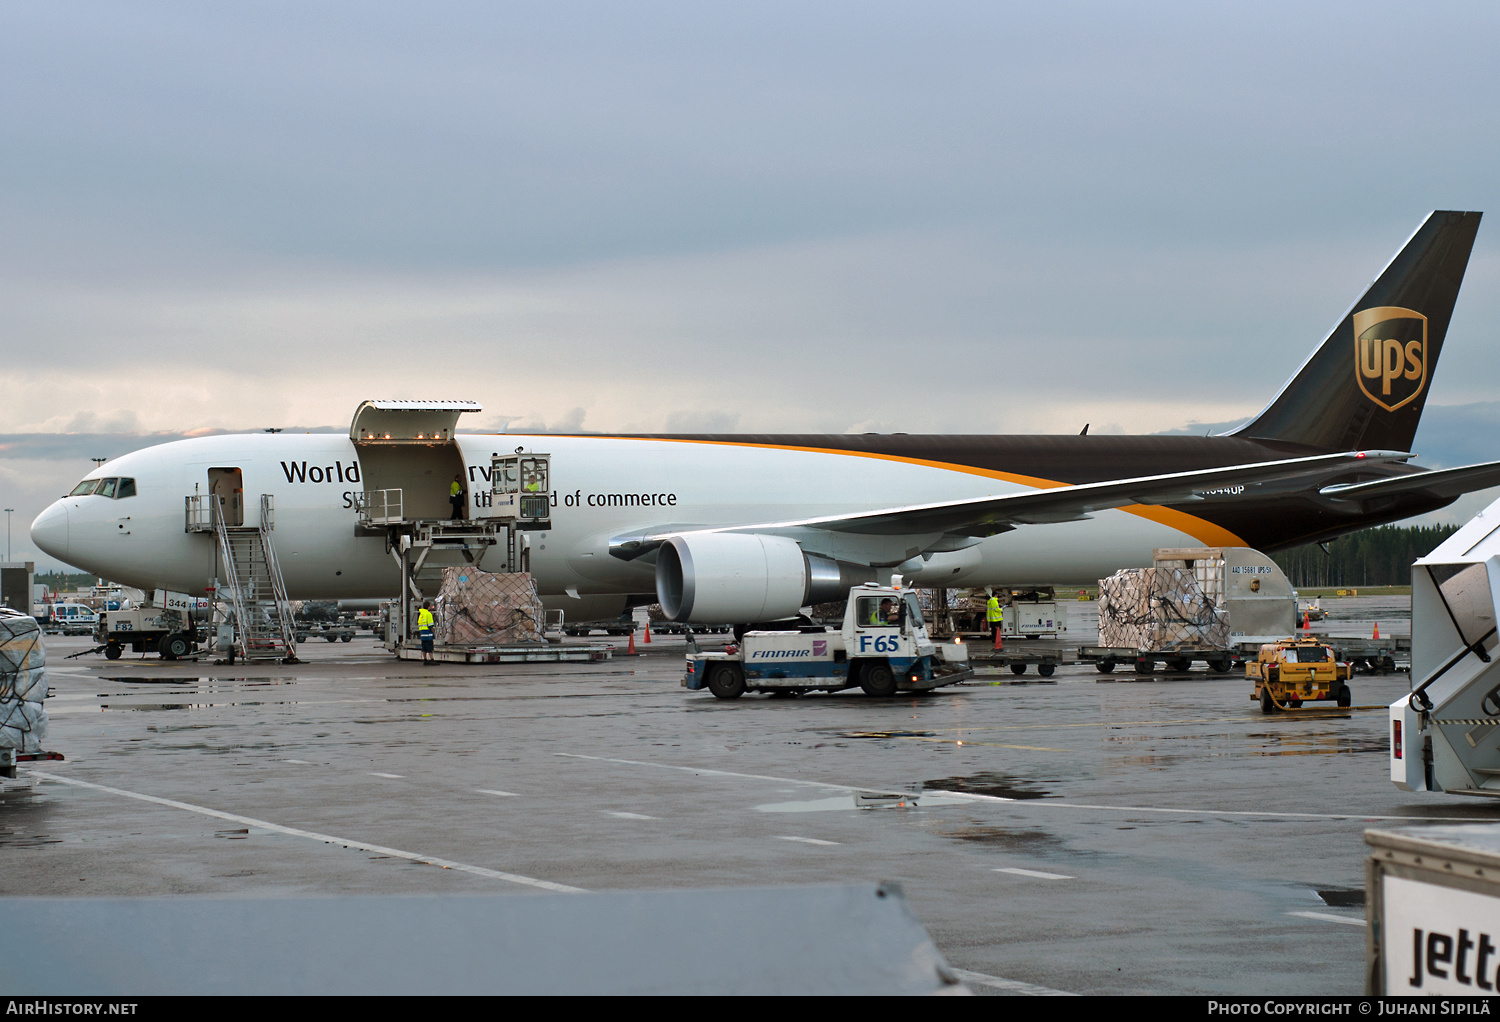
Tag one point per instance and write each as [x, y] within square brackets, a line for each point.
[7, 533]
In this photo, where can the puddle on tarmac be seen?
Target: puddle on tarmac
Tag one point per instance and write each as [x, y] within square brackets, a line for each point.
[987, 783]
[838, 803]
[1002, 837]
[1317, 743]
[23, 824]
[887, 734]
[138, 707]
[136, 679]
[1343, 898]
[15, 840]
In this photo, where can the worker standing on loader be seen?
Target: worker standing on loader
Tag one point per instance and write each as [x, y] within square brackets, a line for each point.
[458, 497]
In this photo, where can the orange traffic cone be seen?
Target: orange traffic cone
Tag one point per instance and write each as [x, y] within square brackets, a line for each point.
[1377, 631]
[647, 639]
[1306, 621]
[999, 642]
[631, 650]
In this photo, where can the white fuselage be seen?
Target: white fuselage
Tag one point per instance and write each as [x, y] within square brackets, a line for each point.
[603, 487]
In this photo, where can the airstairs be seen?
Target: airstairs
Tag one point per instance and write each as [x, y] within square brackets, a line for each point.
[250, 580]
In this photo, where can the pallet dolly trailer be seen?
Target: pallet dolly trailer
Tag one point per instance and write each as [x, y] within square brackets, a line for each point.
[1106, 658]
[1019, 661]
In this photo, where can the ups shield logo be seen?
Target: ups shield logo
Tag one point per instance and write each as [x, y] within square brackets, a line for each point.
[1390, 355]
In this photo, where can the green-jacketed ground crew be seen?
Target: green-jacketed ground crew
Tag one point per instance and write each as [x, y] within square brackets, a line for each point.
[994, 615]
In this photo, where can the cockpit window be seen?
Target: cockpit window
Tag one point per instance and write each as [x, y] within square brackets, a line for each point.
[113, 486]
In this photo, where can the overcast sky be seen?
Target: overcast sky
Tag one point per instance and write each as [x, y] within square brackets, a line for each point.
[968, 217]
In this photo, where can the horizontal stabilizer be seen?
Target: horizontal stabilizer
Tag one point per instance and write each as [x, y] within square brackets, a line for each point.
[1448, 482]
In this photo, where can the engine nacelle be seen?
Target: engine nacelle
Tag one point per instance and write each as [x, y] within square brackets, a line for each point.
[941, 569]
[731, 578]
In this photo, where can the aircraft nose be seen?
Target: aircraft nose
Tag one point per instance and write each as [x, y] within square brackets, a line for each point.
[50, 530]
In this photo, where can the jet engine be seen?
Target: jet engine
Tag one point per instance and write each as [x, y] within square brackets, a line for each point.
[736, 578]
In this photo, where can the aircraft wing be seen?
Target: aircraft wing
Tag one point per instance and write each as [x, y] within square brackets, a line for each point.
[986, 516]
[983, 516]
[1447, 482]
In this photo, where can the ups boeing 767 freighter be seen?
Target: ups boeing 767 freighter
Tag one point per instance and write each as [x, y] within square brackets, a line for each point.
[749, 528]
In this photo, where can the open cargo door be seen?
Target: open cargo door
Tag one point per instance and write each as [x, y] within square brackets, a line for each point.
[408, 446]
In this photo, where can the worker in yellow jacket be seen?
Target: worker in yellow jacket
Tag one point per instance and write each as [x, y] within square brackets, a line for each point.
[995, 615]
[458, 497]
[425, 631]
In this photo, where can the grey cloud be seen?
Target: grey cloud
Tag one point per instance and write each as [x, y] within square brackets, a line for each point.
[570, 421]
[79, 447]
[859, 214]
[476, 134]
[702, 421]
[120, 421]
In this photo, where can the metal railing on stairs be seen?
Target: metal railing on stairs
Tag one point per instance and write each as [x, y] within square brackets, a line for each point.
[226, 554]
[249, 558]
[273, 569]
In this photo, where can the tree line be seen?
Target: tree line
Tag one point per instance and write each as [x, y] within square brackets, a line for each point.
[64, 581]
[1380, 556]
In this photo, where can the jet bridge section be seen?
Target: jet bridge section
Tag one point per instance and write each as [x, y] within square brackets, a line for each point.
[1445, 735]
[409, 461]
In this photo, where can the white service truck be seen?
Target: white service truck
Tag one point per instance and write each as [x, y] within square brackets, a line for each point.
[883, 647]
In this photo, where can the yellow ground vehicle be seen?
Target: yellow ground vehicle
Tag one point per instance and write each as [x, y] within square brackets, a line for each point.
[1293, 671]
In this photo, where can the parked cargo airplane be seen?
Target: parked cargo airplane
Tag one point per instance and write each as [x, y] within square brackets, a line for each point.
[750, 528]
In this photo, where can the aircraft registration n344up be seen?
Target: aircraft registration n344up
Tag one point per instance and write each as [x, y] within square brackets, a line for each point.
[749, 528]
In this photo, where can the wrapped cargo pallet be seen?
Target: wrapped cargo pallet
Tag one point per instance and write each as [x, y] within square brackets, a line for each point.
[1159, 609]
[928, 598]
[487, 608]
[1125, 608]
[23, 683]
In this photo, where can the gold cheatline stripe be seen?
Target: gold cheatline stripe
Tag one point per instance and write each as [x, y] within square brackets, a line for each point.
[1205, 532]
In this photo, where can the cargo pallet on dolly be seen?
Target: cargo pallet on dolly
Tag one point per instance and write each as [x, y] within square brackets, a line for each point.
[1373, 656]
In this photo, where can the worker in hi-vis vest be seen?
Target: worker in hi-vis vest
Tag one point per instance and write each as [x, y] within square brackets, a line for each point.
[994, 615]
[458, 497]
[425, 632]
